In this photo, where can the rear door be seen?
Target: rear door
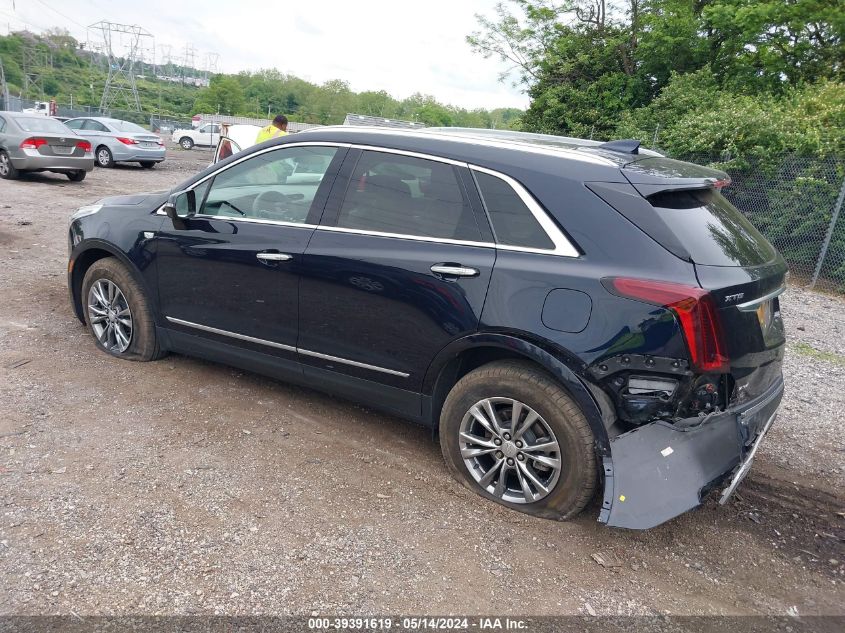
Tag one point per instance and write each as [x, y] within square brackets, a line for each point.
[396, 271]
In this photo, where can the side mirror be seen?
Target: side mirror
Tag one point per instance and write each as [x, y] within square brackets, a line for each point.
[181, 205]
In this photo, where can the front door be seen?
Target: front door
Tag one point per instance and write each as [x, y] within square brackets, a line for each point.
[397, 270]
[229, 273]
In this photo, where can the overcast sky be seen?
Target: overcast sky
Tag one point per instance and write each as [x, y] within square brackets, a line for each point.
[397, 46]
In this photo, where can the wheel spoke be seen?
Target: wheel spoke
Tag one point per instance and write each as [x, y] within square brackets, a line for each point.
[479, 417]
[490, 474]
[499, 490]
[532, 478]
[544, 447]
[529, 421]
[516, 413]
[120, 337]
[494, 418]
[526, 489]
[98, 294]
[469, 438]
[551, 462]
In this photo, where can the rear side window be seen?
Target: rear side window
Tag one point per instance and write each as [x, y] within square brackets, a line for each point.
[391, 193]
[712, 230]
[513, 222]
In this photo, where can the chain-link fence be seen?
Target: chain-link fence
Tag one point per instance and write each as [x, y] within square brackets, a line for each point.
[796, 202]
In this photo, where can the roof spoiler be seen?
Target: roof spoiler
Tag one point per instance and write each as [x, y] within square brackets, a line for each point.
[656, 174]
[625, 146]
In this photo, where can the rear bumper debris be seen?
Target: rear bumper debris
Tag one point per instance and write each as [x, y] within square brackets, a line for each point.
[661, 470]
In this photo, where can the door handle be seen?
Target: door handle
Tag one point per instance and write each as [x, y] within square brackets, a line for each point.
[274, 257]
[454, 270]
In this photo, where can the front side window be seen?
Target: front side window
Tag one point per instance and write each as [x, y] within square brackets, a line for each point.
[270, 186]
[391, 193]
[513, 223]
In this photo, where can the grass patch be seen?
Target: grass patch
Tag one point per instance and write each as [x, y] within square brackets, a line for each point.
[808, 350]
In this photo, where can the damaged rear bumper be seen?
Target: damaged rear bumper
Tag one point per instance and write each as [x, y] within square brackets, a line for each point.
[661, 470]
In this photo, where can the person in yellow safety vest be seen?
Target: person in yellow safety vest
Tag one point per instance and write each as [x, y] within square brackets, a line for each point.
[278, 128]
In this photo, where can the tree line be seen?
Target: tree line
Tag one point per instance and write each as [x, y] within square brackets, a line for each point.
[68, 73]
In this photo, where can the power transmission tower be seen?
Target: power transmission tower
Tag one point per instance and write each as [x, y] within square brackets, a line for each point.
[120, 83]
[190, 52]
[31, 75]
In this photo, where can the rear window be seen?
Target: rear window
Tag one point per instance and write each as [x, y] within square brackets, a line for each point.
[712, 230]
[43, 124]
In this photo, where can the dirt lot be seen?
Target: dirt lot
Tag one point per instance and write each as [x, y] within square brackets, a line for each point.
[183, 487]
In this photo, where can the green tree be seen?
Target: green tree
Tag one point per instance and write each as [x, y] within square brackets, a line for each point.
[224, 95]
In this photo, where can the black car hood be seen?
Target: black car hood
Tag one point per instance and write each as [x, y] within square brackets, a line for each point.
[150, 197]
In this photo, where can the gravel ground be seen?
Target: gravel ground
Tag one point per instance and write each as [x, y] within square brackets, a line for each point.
[184, 487]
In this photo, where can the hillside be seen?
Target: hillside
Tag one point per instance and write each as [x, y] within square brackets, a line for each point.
[72, 74]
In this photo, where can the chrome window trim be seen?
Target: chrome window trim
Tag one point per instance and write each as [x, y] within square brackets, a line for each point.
[402, 236]
[751, 306]
[288, 348]
[563, 246]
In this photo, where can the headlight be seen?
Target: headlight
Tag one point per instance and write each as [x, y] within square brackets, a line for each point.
[88, 209]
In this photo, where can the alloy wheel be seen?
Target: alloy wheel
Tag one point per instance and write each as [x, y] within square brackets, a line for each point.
[110, 316]
[103, 157]
[510, 450]
[4, 165]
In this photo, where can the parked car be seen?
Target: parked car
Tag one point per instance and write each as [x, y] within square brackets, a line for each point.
[33, 143]
[207, 135]
[117, 141]
[567, 315]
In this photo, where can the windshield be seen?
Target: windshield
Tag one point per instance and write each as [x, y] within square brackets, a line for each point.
[126, 126]
[43, 124]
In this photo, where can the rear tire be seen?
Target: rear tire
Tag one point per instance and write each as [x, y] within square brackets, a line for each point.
[104, 157]
[7, 169]
[112, 298]
[76, 176]
[148, 164]
[186, 142]
[555, 451]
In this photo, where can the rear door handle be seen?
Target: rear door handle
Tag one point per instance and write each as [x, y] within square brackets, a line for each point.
[274, 257]
[454, 270]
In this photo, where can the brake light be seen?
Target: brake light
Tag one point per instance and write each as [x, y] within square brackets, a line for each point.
[695, 310]
[85, 146]
[33, 143]
[127, 141]
[160, 141]
[721, 183]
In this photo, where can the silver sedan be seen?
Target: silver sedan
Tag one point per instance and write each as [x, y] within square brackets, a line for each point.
[31, 142]
[117, 141]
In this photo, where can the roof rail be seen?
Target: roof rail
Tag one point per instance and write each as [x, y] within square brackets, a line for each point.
[626, 146]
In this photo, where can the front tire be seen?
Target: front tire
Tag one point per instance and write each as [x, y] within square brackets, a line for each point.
[511, 433]
[186, 142]
[104, 157]
[117, 312]
[7, 169]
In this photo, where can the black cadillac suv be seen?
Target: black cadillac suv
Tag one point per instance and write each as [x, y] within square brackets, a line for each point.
[568, 315]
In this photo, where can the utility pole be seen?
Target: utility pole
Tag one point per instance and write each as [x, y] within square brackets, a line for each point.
[4, 87]
[120, 83]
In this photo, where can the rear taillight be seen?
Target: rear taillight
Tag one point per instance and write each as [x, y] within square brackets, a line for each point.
[160, 142]
[33, 143]
[696, 312]
[127, 141]
[85, 146]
